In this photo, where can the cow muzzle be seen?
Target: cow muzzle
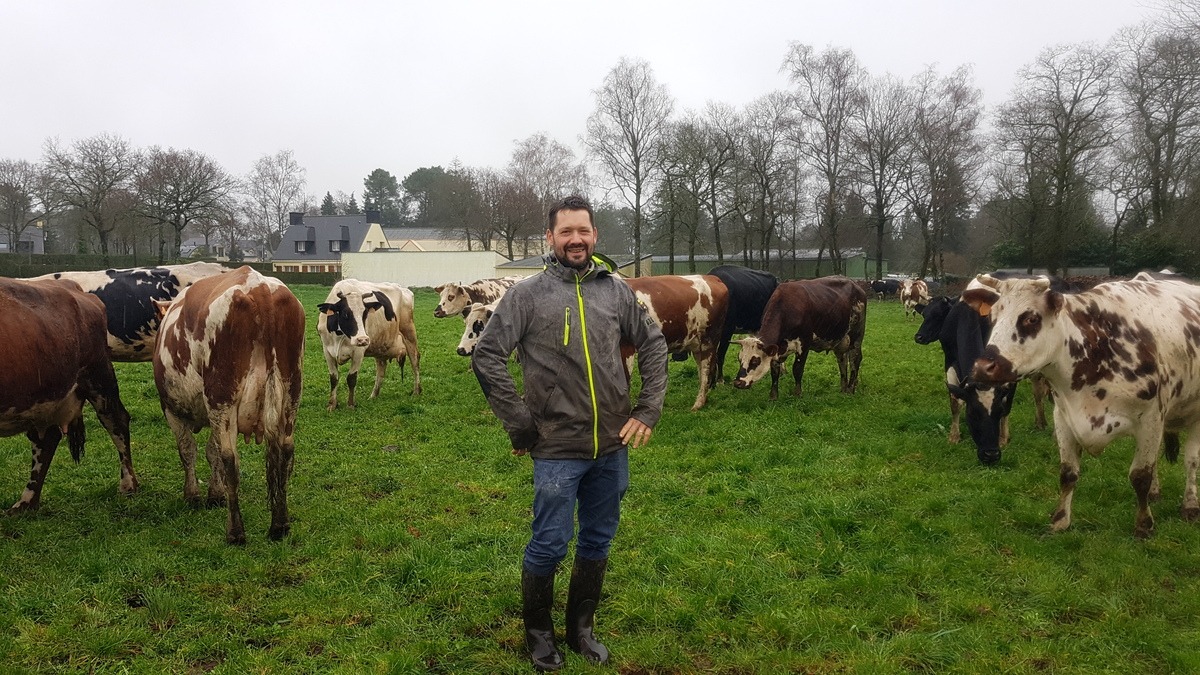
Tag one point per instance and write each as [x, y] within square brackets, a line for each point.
[361, 340]
[439, 313]
[992, 367]
[463, 351]
[740, 383]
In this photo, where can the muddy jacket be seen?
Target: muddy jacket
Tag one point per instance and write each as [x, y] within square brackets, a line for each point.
[568, 331]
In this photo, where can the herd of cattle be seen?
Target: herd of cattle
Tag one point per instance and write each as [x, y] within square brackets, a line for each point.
[1119, 359]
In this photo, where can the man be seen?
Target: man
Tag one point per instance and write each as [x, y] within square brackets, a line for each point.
[574, 418]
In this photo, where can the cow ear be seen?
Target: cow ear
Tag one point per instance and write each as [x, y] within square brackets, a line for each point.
[988, 280]
[325, 308]
[438, 289]
[981, 299]
[770, 350]
[160, 308]
[1054, 301]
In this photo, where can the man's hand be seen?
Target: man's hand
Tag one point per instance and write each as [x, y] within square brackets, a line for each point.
[635, 434]
[520, 452]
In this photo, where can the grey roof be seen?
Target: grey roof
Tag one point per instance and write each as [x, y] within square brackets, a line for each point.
[323, 230]
[399, 234]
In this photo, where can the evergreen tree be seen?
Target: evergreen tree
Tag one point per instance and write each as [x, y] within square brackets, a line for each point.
[352, 207]
[328, 207]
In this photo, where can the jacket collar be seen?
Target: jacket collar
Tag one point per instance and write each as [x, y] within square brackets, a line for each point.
[596, 270]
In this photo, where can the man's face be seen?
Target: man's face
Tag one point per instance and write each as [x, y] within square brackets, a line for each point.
[573, 238]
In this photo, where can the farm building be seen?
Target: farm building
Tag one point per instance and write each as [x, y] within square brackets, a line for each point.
[797, 264]
[316, 243]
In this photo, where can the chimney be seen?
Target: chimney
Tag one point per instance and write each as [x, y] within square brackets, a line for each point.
[296, 218]
[373, 216]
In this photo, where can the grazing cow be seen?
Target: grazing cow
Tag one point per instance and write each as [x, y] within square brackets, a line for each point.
[826, 314]
[1123, 359]
[54, 358]
[962, 333]
[457, 298]
[129, 296]
[885, 288]
[913, 292]
[228, 356]
[477, 318]
[749, 291]
[359, 319]
[691, 311]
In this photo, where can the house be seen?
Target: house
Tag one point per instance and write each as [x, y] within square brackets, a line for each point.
[218, 248]
[423, 239]
[32, 240]
[316, 243]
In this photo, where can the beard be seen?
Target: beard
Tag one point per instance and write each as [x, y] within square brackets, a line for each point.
[564, 258]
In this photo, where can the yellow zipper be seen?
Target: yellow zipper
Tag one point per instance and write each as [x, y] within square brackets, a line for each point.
[567, 327]
[587, 357]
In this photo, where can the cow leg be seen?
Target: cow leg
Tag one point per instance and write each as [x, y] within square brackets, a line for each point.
[224, 431]
[798, 370]
[705, 363]
[1004, 435]
[409, 333]
[1190, 509]
[855, 361]
[1069, 452]
[722, 350]
[103, 394]
[352, 378]
[955, 413]
[333, 382]
[1142, 474]
[776, 370]
[844, 370]
[217, 489]
[44, 445]
[280, 453]
[380, 372]
[1041, 389]
[185, 442]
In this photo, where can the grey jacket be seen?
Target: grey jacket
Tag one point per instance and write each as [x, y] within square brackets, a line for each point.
[576, 389]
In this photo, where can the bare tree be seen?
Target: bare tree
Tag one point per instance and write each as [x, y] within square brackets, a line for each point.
[93, 176]
[26, 196]
[945, 158]
[827, 90]
[547, 168]
[881, 136]
[177, 187]
[766, 166]
[625, 134]
[1061, 119]
[721, 128]
[274, 188]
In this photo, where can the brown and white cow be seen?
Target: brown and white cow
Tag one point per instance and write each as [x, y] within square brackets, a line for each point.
[457, 298]
[129, 296]
[913, 292]
[826, 314]
[360, 319]
[691, 312]
[55, 357]
[476, 319]
[1123, 359]
[228, 356]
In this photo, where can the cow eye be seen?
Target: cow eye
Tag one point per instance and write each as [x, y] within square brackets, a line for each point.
[1031, 321]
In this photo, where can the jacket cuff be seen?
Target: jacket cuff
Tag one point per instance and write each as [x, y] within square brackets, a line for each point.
[524, 439]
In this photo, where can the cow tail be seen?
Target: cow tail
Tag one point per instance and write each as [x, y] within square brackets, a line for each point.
[400, 362]
[76, 435]
[1171, 440]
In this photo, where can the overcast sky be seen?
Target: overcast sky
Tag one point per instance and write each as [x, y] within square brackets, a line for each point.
[351, 86]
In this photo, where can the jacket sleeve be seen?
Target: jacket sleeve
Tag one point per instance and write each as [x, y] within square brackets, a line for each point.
[490, 363]
[643, 332]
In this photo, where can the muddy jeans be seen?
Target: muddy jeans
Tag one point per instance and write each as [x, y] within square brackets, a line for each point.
[558, 484]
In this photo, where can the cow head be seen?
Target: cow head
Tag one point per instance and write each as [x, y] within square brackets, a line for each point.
[1025, 321]
[348, 316]
[986, 407]
[477, 318]
[452, 300]
[754, 361]
[933, 319]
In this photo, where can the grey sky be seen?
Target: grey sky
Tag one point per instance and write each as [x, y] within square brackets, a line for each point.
[351, 86]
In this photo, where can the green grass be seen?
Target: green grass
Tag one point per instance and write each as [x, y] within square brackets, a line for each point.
[828, 534]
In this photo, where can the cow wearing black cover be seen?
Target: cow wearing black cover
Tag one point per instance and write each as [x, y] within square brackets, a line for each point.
[749, 291]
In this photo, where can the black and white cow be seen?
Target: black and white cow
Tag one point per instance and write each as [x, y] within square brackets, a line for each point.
[1123, 359]
[477, 318]
[129, 296]
[749, 291]
[360, 319]
[885, 288]
[454, 298]
[962, 333]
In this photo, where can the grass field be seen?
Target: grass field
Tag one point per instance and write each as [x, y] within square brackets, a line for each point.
[829, 534]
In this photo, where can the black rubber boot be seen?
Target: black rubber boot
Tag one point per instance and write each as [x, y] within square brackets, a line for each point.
[538, 596]
[587, 578]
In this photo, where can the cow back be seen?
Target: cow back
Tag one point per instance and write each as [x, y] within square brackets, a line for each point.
[749, 292]
[689, 309]
[824, 309]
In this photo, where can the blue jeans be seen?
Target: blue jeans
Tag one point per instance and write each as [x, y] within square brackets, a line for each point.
[597, 485]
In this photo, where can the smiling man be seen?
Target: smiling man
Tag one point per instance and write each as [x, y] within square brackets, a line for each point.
[575, 418]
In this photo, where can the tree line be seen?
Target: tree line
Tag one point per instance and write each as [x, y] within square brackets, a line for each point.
[1091, 161]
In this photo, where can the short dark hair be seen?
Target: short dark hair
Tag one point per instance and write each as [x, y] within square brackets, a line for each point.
[572, 203]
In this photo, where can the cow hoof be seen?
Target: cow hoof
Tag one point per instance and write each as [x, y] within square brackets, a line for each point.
[193, 501]
[1142, 531]
[278, 532]
[1059, 521]
[1189, 513]
[236, 539]
[214, 502]
[954, 439]
[988, 457]
[22, 507]
[331, 407]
